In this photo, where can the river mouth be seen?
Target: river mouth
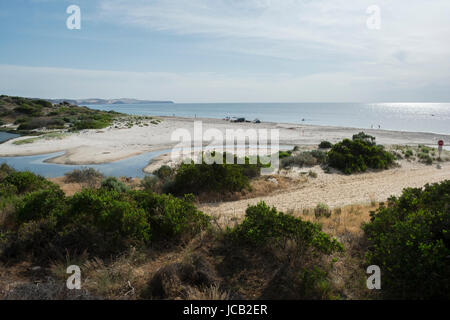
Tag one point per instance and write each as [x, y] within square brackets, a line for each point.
[5, 136]
[130, 167]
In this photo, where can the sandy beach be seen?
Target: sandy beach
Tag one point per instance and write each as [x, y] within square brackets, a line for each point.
[112, 144]
[338, 190]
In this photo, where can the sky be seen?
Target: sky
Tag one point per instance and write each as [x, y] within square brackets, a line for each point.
[228, 50]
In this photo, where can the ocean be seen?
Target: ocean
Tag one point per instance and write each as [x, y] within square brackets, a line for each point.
[416, 117]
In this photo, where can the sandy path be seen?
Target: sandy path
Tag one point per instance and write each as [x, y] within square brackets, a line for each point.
[339, 190]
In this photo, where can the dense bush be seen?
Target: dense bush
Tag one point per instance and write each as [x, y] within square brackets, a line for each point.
[113, 184]
[111, 212]
[36, 123]
[284, 154]
[171, 218]
[84, 175]
[265, 226]
[5, 170]
[40, 204]
[150, 183]
[91, 124]
[29, 109]
[368, 139]
[325, 145]
[26, 181]
[47, 225]
[359, 154]
[410, 241]
[164, 173]
[204, 177]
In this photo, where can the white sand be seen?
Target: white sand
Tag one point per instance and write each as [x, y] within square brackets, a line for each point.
[100, 146]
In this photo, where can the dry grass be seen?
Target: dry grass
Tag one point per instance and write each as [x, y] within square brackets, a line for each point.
[348, 275]
[260, 187]
[70, 188]
[209, 293]
[237, 273]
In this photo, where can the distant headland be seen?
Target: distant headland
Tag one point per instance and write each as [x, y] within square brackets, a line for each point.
[106, 101]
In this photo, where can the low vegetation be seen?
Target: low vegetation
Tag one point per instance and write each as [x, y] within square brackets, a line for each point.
[115, 232]
[43, 224]
[359, 154]
[304, 159]
[31, 114]
[410, 240]
[325, 145]
[213, 178]
[87, 176]
[421, 153]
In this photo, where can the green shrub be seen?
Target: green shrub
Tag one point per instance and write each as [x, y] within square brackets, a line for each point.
[410, 241]
[303, 159]
[320, 156]
[322, 210]
[85, 175]
[89, 124]
[171, 218]
[265, 226]
[325, 145]
[46, 225]
[425, 158]
[408, 153]
[357, 155]
[5, 171]
[150, 183]
[36, 123]
[43, 103]
[26, 181]
[40, 204]
[113, 184]
[284, 154]
[28, 109]
[368, 139]
[164, 173]
[204, 177]
[110, 212]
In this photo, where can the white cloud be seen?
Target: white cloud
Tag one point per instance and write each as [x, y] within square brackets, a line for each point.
[211, 87]
[410, 51]
[338, 25]
[408, 59]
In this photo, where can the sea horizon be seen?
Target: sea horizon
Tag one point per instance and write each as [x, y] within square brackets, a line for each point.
[429, 117]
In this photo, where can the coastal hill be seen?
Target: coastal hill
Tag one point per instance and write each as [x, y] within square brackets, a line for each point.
[29, 114]
[106, 101]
